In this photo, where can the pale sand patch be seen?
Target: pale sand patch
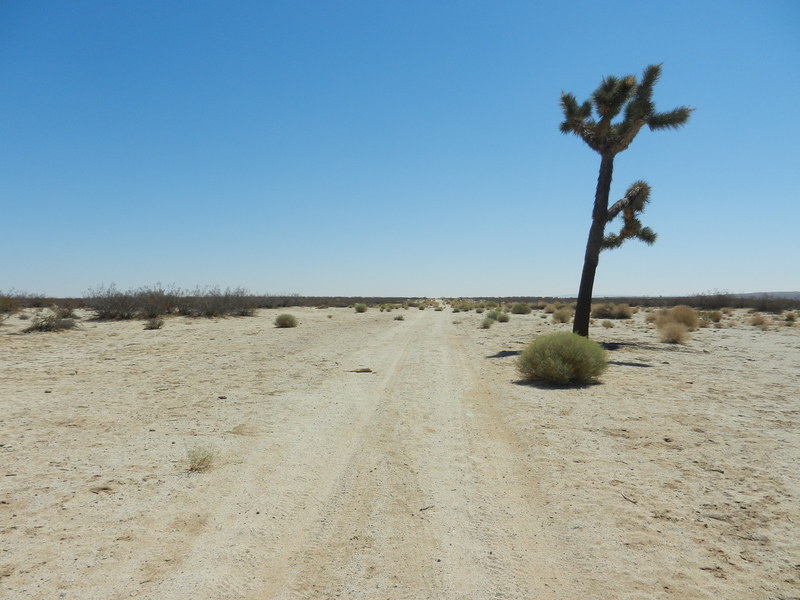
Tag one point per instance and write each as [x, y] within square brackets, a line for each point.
[434, 475]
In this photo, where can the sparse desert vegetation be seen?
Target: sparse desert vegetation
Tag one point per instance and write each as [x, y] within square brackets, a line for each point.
[200, 458]
[127, 407]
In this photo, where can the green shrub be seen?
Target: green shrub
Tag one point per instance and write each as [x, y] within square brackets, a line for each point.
[285, 320]
[562, 358]
[399, 318]
[487, 322]
[360, 308]
[520, 308]
[497, 315]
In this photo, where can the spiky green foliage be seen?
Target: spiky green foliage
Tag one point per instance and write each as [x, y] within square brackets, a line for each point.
[630, 206]
[617, 95]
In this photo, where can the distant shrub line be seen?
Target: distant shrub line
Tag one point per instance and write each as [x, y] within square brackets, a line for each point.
[157, 300]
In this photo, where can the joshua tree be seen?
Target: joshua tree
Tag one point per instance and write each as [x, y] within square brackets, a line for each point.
[608, 139]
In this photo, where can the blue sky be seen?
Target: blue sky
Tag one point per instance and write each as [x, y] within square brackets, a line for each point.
[388, 148]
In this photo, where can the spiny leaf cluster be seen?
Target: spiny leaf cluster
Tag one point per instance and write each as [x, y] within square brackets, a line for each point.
[613, 96]
[630, 206]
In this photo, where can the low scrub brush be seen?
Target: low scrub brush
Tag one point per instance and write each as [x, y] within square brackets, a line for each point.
[520, 308]
[563, 359]
[285, 320]
[49, 323]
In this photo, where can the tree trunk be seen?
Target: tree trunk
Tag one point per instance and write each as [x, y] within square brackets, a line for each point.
[594, 245]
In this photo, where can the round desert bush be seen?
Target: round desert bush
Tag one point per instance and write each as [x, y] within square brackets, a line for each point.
[623, 311]
[285, 320]
[562, 358]
[608, 324]
[685, 315]
[360, 308]
[486, 323]
[562, 315]
[673, 332]
[520, 308]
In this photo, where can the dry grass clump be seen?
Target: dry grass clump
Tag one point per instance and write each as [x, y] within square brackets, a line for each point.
[608, 324]
[562, 358]
[562, 315]
[612, 311]
[685, 315]
[675, 324]
[710, 316]
[360, 308]
[550, 308]
[486, 323]
[200, 458]
[154, 323]
[399, 318]
[672, 332]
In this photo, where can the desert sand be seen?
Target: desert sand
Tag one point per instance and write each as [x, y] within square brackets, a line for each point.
[436, 474]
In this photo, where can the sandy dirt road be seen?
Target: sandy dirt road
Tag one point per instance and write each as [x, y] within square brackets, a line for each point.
[434, 475]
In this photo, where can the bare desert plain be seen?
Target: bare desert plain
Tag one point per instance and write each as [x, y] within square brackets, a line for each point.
[357, 456]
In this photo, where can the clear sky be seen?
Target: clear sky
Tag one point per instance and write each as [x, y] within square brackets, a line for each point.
[404, 148]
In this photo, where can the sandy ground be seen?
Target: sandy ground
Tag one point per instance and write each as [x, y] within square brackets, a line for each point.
[436, 476]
